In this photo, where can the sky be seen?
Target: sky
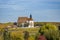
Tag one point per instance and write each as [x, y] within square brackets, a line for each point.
[41, 10]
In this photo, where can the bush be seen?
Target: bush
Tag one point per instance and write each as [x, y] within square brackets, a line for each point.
[47, 27]
[50, 31]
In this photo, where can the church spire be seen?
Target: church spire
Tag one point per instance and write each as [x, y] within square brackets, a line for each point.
[30, 16]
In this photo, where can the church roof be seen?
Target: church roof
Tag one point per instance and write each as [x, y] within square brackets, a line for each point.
[24, 19]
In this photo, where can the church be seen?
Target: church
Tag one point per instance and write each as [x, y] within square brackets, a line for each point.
[25, 22]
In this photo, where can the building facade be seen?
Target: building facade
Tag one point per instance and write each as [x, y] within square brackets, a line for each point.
[25, 22]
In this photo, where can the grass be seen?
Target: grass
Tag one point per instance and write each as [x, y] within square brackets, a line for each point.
[19, 33]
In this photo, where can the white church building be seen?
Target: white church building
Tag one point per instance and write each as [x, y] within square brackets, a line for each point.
[25, 22]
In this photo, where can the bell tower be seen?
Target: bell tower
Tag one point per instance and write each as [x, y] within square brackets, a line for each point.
[31, 22]
[30, 16]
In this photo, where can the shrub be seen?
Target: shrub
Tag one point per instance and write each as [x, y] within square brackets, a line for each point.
[50, 31]
[47, 27]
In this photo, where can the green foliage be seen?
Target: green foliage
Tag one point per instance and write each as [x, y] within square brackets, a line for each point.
[15, 38]
[17, 33]
[47, 27]
[52, 35]
[36, 36]
[50, 31]
[6, 34]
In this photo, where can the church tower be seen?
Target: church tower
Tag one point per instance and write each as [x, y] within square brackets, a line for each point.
[30, 16]
[31, 22]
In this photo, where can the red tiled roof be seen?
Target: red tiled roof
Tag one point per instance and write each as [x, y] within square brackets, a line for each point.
[23, 19]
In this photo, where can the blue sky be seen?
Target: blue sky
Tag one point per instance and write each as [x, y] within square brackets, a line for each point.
[41, 10]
